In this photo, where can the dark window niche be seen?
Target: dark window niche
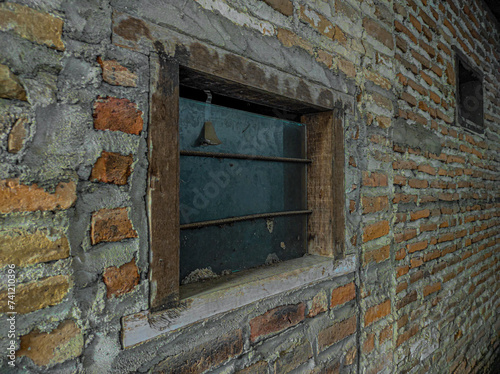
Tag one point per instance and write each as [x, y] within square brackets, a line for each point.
[469, 96]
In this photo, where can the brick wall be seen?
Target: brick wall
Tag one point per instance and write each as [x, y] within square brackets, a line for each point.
[422, 193]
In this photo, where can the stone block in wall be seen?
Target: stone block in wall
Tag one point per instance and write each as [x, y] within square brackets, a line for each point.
[23, 248]
[116, 74]
[17, 136]
[120, 280]
[111, 225]
[111, 113]
[112, 168]
[276, 319]
[10, 86]
[37, 295]
[38, 27]
[16, 197]
[47, 349]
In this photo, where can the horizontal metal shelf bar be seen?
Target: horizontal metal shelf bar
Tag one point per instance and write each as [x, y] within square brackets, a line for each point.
[224, 221]
[245, 157]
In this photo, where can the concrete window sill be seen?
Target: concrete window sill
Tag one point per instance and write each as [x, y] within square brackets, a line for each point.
[203, 300]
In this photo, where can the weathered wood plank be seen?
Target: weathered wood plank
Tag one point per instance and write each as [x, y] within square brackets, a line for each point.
[339, 206]
[163, 182]
[320, 183]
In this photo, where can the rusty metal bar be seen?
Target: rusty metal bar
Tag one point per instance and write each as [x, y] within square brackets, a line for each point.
[245, 157]
[225, 221]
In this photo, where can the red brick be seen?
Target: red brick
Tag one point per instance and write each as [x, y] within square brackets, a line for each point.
[375, 230]
[446, 237]
[427, 20]
[16, 197]
[372, 204]
[409, 98]
[336, 333]
[416, 276]
[112, 168]
[412, 165]
[37, 295]
[427, 169]
[415, 23]
[432, 255]
[399, 180]
[401, 287]
[432, 288]
[401, 44]
[111, 225]
[342, 295]
[46, 349]
[376, 255]
[406, 335]
[283, 6]
[205, 356]
[401, 28]
[378, 32]
[426, 78]
[404, 198]
[377, 312]
[428, 227]
[450, 74]
[409, 298]
[401, 254]
[122, 280]
[426, 47]
[424, 213]
[369, 343]
[111, 113]
[291, 359]
[424, 61]
[419, 246]
[416, 262]
[276, 319]
[417, 87]
[427, 33]
[418, 183]
[374, 179]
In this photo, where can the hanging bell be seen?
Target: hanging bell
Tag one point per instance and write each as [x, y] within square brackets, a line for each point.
[208, 135]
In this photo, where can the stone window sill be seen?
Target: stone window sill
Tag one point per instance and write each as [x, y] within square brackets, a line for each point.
[203, 300]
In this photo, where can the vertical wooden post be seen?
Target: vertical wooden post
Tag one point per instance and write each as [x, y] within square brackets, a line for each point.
[163, 183]
[325, 183]
[339, 206]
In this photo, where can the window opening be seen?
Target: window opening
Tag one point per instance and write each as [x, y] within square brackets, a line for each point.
[243, 201]
[470, 97]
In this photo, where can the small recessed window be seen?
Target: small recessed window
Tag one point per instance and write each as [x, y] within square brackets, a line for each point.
[469, 96]
[242, 187]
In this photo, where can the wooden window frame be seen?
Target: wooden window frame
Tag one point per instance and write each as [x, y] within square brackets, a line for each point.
[325, 176]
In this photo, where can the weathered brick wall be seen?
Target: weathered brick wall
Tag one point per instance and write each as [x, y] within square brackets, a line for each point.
[422, 194]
